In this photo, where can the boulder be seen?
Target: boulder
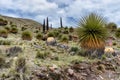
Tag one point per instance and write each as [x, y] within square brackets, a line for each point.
[51, 41]
[109, 50]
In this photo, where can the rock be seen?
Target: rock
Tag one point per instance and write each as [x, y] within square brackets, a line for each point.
[83, 74]
[15, 58]
[109, 50]
[53, 67]
[51, 41]
[64, 46]
[70, 71]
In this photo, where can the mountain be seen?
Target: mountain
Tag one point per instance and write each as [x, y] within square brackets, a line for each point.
[20, 22]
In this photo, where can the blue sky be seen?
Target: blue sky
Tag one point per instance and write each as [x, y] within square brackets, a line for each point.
[69, 10]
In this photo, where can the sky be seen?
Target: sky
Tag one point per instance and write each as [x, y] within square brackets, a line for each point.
[69, 10]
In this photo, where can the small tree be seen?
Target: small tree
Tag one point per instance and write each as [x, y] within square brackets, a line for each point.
[61, 24]
[47, 24]
[44, 26]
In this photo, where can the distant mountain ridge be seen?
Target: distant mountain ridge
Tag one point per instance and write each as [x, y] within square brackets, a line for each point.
[22, 22]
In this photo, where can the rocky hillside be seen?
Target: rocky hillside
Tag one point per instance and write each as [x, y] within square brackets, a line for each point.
[20, 22]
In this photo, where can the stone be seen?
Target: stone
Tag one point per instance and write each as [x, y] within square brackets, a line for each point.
[51, 41]
[70, 71]
[53, 67]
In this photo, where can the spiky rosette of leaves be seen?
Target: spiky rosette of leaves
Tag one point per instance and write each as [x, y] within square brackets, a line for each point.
[92, 32]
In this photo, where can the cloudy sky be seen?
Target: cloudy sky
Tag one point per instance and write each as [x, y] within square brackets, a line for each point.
[69, 10]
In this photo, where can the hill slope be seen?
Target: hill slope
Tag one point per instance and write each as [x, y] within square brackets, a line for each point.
[20, 22]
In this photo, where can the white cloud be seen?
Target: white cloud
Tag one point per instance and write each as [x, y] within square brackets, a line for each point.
[70, 8]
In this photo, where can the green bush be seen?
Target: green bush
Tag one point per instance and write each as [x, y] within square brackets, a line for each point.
[39, 36]
[56, 58]
[12, 25]
[8, 28]
[101, 67]
[71, 29]
[104, 57]
[82, 52]
[50, 34]
[65, 31]
[3, 33]
[23, 28]
[3, 22]
[74, 49]
[5, 42]
[1, 19]
[42, 55]
[64, 38]
[2, 61]
[66, 28]
[56, 33]
[114, 43]
[20, 64]
[36, 31]
[14, 30]
[27, 35]
[59, 36]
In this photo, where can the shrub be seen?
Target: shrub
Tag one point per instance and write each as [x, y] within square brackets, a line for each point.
[2, 61]
[56, 58]
[14, 30]
[5, 42]
[65, 31]
[1, 19]
[64, 38]
[104, 57]
[74, 49]
[42, 55]
[7, 28]
[3, 22]
[82, 52]
[56, 33]
[101, 67]
[114, 43]
[71, 29]
[20, 64]
[3, 33]
[39, 36]
[66, 28]
[36, 31]
[44, 38]
[13, 51]
[12, 25]
[59, 36]
[50, 34]
[27, 35]
[23, 28]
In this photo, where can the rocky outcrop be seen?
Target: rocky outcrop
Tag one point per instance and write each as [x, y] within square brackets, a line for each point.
[99, 70]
